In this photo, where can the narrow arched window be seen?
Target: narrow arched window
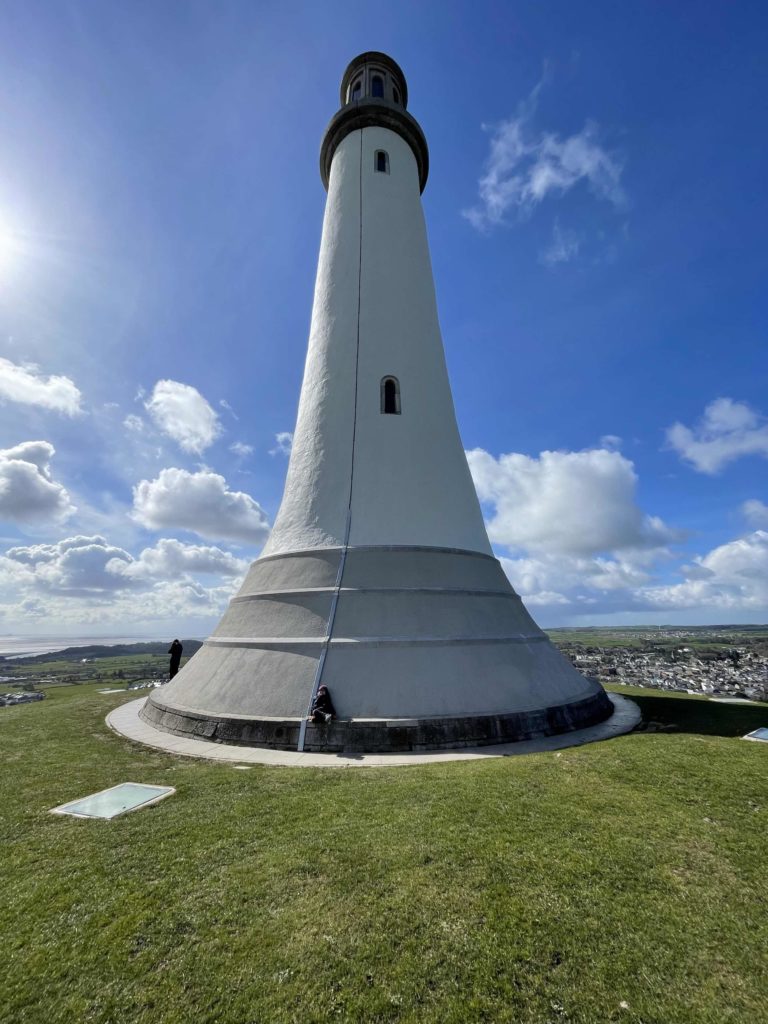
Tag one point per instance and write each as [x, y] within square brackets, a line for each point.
[377, 86]
[390, 395]
[395, 95]
[357, 89]
[381, 162]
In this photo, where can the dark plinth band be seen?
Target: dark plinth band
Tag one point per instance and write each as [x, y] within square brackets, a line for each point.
[371, 113]
[373, 736]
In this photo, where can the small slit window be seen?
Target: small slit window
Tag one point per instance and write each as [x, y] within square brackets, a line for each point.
[390, 396]
[381, 162]
[357, 88]
[395, 95]
[377, 86]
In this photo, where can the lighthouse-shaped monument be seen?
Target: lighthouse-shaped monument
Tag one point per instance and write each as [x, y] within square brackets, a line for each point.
[378, 579]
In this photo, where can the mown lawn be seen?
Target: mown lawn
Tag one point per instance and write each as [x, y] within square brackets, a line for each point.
[624, 881]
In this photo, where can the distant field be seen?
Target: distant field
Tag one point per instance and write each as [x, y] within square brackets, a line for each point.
[100, 670]
[591, 639]
[100, 666]
[644, 637]
[619, 882]
[123, 662]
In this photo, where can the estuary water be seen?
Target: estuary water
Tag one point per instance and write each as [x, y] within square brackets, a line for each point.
[14, 645]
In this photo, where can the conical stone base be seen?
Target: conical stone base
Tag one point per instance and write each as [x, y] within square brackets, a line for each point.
[421, 648]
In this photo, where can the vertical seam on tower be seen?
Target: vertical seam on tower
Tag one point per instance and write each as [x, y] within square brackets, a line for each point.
[357, 363]
[348, 525]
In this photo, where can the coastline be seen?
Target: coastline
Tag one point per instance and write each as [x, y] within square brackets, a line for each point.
[16, 645]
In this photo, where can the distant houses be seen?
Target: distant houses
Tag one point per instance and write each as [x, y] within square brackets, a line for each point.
[732, 671]
[10, 699]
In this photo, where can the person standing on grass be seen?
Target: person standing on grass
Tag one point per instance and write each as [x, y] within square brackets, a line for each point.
[175, 652]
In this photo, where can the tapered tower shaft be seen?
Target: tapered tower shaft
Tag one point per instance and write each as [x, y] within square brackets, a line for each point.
[360, 474]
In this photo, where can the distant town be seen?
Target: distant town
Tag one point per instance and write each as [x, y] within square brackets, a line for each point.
[727, 661]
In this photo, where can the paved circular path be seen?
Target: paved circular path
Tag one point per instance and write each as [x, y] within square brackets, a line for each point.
[125, 721]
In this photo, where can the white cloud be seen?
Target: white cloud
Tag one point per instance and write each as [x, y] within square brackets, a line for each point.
[133, 423]
[181, 412]
[200, 502]
[33, 608]
[27, 492]
[560, 579]
[241, 449]
[76, 565]
[87, 581]
[170, 558]
[755, 512]
[225, 405]
[175, 600]
[26, 385]
[610, 441]
[15, 576]
[563, 247]
[727, 431]
[175, 606]
[523, 167]
[745, 558]
[284, 443]
[730, 577]
[574, 503]
[172, 602]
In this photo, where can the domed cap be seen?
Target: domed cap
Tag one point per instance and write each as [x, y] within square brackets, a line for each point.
[374, 75]
[374, 93]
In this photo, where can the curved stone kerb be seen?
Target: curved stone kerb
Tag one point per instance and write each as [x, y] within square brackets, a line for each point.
[368, 113]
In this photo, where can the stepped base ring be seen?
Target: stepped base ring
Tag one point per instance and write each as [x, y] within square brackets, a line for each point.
[377, 735]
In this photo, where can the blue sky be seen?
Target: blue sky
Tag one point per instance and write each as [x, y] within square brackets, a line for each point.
[596, 213]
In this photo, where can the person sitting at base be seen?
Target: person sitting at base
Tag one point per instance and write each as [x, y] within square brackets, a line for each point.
[323, 710]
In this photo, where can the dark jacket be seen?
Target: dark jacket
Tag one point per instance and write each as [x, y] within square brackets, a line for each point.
[323, 703]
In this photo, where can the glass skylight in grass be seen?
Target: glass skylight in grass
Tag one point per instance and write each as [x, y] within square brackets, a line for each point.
[128, 796]
[761, 735]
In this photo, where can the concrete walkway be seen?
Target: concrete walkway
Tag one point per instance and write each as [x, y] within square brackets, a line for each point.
[125, 721]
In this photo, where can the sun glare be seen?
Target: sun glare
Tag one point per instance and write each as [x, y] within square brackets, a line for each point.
[14, 246]
[9, 247]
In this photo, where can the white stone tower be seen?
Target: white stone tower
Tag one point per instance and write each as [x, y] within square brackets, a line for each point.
[378, 579]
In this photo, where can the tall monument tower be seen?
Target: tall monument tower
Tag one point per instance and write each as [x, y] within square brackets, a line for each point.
[378, 579]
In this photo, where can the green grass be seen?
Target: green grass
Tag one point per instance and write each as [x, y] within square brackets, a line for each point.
[623, 881]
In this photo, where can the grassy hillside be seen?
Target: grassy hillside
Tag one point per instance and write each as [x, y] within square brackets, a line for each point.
[103, 666]
[101, 652]
[623, 881]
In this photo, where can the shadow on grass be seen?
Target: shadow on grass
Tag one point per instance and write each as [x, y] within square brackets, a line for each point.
[702, 716]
